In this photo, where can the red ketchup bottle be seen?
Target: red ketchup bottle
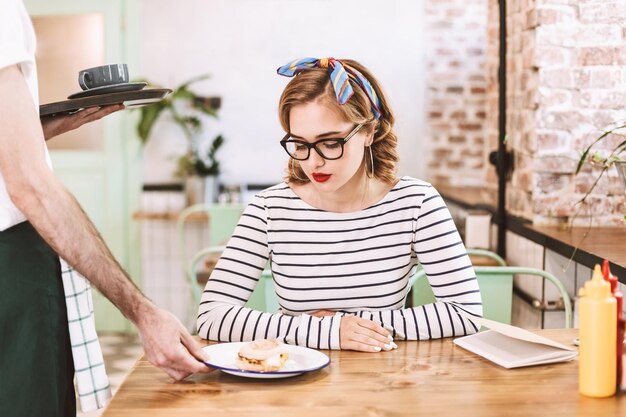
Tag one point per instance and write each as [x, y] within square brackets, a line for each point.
[619, 297]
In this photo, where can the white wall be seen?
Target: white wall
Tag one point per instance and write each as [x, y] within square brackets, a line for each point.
[242, 42]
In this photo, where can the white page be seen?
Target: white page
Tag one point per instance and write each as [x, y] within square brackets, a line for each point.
[512, 353]
[512, 347]
[515, 332]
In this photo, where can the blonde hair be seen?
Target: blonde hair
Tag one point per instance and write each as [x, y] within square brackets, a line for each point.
[313, 85]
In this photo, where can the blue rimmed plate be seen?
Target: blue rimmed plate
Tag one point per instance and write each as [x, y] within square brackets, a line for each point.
[301, 359]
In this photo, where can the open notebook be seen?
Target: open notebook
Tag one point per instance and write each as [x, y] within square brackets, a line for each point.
[512, 347]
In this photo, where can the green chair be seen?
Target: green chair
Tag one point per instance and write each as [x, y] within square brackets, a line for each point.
[222, 222]
[492, 287]
[263, 297]
[496, 288]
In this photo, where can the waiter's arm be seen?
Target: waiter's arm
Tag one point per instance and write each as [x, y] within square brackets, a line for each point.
[58, 218]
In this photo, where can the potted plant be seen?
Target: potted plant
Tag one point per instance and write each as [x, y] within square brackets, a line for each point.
[200, 171]
[185, 107]
[615, 157]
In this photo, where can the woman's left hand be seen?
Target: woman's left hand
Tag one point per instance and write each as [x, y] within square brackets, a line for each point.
[55, 125]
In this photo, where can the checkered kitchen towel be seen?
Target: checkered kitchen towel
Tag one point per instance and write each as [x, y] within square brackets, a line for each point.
[92, 382]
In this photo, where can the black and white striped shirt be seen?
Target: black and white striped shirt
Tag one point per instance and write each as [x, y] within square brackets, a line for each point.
[353, 263]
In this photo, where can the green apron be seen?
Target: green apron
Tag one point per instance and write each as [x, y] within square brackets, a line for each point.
[36, 366]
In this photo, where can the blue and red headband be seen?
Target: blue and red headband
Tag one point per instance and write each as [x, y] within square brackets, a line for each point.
[339, 76]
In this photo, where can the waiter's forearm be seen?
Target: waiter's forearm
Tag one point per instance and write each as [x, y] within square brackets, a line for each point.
[46, 203]
[59, 219]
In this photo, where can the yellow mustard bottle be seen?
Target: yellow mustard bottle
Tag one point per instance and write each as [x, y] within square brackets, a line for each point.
[598, 338]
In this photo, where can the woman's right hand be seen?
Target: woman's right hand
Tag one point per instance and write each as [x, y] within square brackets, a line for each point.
[356, 333]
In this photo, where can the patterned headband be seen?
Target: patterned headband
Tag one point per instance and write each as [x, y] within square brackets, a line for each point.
[339, 77]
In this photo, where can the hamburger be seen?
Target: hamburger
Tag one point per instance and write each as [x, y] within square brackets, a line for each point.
[263, 355]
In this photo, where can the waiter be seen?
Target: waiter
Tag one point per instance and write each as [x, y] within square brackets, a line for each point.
[41, 221]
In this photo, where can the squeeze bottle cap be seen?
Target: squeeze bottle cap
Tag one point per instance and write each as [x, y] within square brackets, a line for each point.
[597, 287]
[608, 276]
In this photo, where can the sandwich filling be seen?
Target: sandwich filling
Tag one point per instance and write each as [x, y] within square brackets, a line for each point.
[262, 356]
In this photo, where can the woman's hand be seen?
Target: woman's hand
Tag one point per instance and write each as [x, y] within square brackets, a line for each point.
[356, 333]
[55, 125]
[323, 313]
[364, 335]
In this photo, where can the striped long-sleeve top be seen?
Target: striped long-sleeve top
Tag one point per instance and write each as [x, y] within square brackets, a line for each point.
[352, 263]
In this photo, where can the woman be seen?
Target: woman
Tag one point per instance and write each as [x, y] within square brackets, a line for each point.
[343, 234]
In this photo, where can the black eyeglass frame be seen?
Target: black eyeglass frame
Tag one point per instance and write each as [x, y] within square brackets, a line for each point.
[341, 141]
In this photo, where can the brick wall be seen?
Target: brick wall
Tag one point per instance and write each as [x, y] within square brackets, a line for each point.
[456, 41]
[566, 72]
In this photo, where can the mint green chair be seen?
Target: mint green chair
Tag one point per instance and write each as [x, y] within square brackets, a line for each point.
[492, 287]
[222, 222]
[263, 297]
[496, 289]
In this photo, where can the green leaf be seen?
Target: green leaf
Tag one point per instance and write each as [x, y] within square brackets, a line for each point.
[583, 157]
[193, 80]
[189, 120]
[148, 117]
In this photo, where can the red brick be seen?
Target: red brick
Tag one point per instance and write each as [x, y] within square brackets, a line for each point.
[454, 164]
[547, 55]
[478, 90]
[550, 183]
[522, 179]
[444, 52]
[455, 12]
[455, 90]
[620, 59]
[472, 153]
[456, 139]
[601, 99]
[556, 205]
[563, 164]
[565, 120]
[442, 179]
[551, 98]
[549, 141]
[441, 153]
[603, 12]
[598, 35]
[556, 77]
[470, 126]
[604, 55]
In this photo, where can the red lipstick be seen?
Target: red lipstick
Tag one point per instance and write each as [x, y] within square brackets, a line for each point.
[320, 177]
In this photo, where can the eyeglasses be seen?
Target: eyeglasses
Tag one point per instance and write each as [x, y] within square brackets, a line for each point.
[331, 148]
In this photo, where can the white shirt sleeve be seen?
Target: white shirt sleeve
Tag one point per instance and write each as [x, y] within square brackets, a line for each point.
[17, 43]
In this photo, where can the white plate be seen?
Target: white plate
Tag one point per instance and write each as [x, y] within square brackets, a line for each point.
[223, 357]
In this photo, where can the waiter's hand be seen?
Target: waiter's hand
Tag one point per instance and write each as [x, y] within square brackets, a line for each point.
[55, 125]
[169, 346]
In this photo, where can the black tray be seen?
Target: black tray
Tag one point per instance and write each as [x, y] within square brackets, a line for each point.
[129, 98]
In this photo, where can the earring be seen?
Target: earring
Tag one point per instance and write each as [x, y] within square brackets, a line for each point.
[293, 171]
[371, 173]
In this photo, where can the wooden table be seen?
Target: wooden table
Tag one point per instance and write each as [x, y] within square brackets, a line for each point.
[433, 378]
